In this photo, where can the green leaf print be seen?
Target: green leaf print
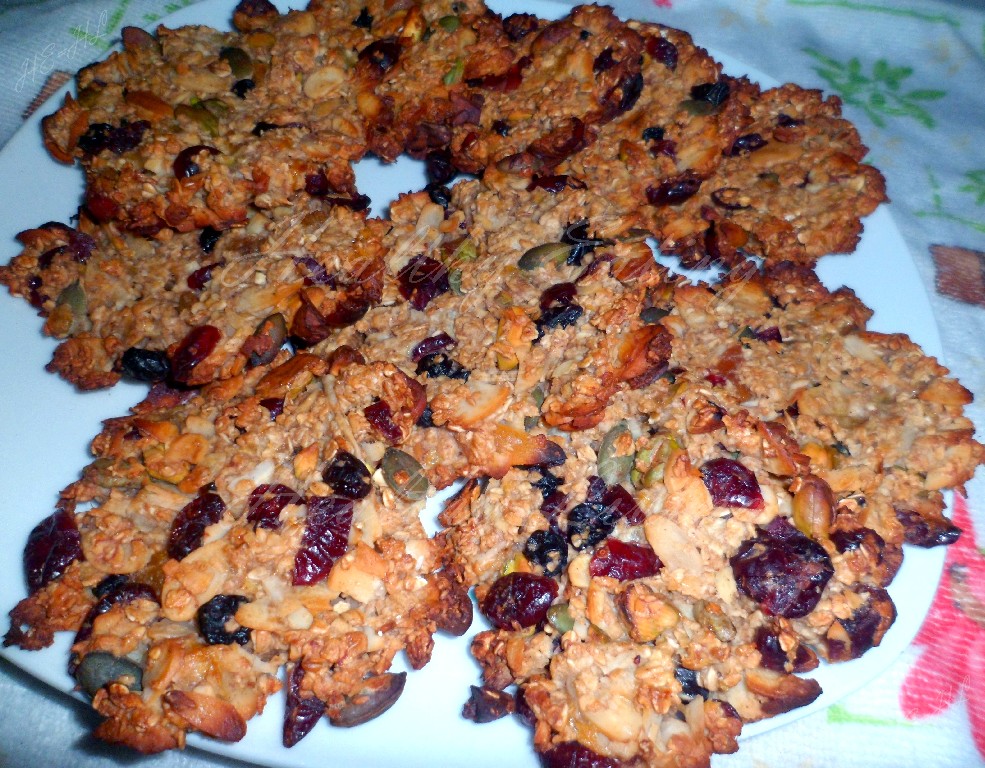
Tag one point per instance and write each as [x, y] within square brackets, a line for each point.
[975, 185]
[881, 94]
[840, 714]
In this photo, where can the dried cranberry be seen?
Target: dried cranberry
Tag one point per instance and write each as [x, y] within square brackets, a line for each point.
[348, 476]
[212, 617]
[519, 600]
[380, 417]
[595, 492]
[782, 570]
[746, 144]
[439, 364]
[629, 88]
[571, 754]
[731, 484]
[208, 238]
[316, 184]
[664, 147]
[430, 345]
[487, 704]
[184, 165]
[145, 365]
[325, 538]
[662, 50]
[624, 561]
[421, 280]
[381, 54]
[507, 81]
[314, 272]
[714, 93]
[519, 25]
[273, 404]
[674, 191]
[103, 208]
[190, 523]
[302, 712]
[267, 502]
[52, 545]
[622, 504]
[193, 349]
[198, 279]
[547, 549]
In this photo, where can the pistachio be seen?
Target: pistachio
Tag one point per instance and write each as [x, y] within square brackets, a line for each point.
[239, 62]
[199, 115]
[615, 457]
[449, 23]
[711, 616]
[560, 617]
[454, 74]
[813, 506]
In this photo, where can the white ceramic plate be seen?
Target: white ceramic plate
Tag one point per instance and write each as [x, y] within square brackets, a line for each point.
[46, 427]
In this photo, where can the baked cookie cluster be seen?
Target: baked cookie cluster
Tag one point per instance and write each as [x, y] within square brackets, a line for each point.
[671, 498]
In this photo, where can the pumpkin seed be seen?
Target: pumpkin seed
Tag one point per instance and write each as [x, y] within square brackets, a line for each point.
[404, 475]
[614, 465]
[539, 255]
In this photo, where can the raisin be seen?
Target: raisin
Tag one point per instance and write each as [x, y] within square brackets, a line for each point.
[714, 93]
[589, 523]
[653, 133]
[208, 238]
[554, 184]
[552, 505]
[52, 545]
[364, 20]
[100, 136]
[243, 87]
[267, 502]
[422, 279]
[519, 600]
[487, 704]
[519, 25]
[782, 570]
[576, 235]
[145, 365]
[929, 531]
[439, 364]
[662, 50]
[348, 476]
[426, 419]
[571, 754]
[785, 121]
[547, 549]
[325, 538]
[501, 127]
[731, 484]
[624, 561]
[743, 145]
[193, 349]
[547, 483]
[184, 165]
[96, 138]
[604, 61]
[212, 618]
[439, 167]
[688, 679]
[381, 54]
[301, 713]
[558, 309]
[109, 584]
[190, 523]
[438, 194]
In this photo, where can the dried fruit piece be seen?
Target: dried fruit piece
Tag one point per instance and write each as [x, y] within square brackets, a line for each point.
[519, 600]
[193, 349]
[624, 561]
[348, 476]
[213, 616]
[486, 704]
[302, 712]
[189, 525]
[325, 538]
[52, 546]
[782, 570]
[547, 549]
[731, 484]
[267, 502]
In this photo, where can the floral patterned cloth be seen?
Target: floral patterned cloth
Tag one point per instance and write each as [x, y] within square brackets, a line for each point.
[910, 75]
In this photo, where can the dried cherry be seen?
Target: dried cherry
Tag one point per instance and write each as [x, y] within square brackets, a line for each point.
[267, 502]
[190, 523]
[302, 712]
[193, 349]
[421, 280]
[624, 561]
[519, 600]
[731, 484]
